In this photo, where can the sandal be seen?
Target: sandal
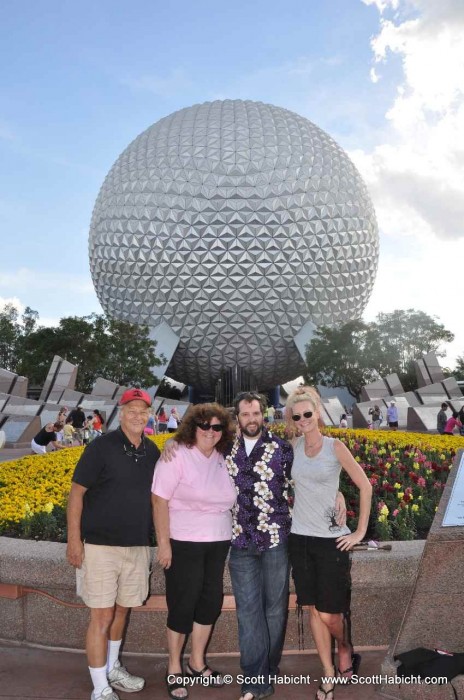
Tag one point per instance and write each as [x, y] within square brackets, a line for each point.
[216, 679]
[175, 686]
[326, 692]
[352, 670]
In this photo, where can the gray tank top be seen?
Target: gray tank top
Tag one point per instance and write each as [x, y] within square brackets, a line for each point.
[316, 482]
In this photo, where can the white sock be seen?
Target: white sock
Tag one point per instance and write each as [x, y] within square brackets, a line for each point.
[99, 679]
[113, 653]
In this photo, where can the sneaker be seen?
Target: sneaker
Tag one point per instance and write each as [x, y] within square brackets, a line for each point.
[120, 678]
[106, 694]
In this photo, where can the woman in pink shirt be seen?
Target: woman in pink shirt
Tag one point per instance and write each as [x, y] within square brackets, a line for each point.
[452, 423]
[192, 499]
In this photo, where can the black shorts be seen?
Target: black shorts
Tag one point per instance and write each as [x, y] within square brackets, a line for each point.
[393, 424]
[194, 583]
[321, 572]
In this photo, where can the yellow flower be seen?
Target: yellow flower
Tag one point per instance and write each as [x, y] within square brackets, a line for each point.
[48, 507]
[414, 507]
[397, 486]
[416, 466]
[400, 495]
[384, 510]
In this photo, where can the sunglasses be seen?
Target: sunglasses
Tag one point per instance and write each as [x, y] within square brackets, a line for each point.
[136, 454]
[297, 416]
[207, 426]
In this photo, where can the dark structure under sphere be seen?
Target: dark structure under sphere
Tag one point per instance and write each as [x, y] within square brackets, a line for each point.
[233, 224]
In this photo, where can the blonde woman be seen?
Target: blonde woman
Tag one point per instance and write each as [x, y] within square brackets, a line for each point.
[318, 546]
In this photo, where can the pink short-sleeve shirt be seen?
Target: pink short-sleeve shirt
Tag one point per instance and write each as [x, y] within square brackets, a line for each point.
[200, 495]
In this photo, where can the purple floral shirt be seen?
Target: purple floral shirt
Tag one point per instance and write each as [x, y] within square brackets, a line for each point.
[261, 515]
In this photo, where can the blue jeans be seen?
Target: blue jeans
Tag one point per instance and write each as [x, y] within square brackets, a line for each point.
[260, 585]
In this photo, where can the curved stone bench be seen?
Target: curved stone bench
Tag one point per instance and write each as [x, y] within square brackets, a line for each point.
[38, 604]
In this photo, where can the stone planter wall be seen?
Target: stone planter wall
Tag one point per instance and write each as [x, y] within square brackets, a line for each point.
[38, 604]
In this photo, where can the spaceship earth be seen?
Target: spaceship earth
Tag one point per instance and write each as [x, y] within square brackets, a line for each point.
[235, 222]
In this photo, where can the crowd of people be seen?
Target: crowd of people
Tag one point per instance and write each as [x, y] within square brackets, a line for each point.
[218, 489]
[74, 428]
[447, 425]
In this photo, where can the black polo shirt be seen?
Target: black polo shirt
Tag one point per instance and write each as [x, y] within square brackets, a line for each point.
[44, 438]
[117, 505]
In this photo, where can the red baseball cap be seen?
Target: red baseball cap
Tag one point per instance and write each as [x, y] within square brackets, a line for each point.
[135, 395]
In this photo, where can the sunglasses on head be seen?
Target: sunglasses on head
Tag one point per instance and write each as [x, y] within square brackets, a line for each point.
[297, 416]
[207, 426]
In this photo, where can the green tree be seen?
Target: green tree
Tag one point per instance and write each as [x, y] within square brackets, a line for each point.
[342, 357]
[358, 353]
[459, 369]
[10, 334]
[406, 335]
[116, 350]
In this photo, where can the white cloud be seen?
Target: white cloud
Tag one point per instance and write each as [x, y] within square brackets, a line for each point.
[425, 276]
[419, 172]
[14, 301]
[415, 174]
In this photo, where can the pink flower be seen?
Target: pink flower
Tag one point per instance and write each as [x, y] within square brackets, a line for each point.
[421, 482]
[395, 512]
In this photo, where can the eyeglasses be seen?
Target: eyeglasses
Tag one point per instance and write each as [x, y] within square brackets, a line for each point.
[136, 454]
[207, 426]
[297, 416]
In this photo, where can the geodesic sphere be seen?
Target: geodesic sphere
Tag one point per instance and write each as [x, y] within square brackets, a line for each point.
[235, 222]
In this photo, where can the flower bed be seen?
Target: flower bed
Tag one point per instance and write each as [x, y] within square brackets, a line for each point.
[34, 489]
[408, 472]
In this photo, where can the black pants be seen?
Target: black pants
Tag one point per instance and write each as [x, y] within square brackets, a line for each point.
[194, 583]
[321, 573]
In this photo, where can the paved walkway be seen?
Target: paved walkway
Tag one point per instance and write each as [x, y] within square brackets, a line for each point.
[38, 674]
[9, 453]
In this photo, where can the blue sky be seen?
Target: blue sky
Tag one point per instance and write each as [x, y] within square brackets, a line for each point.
[80, 80]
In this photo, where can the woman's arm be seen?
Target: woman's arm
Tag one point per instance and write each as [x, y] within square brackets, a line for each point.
[359, 478]
[160, 508]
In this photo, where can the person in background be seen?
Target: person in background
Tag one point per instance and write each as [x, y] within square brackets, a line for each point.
[68, 435]
[343, 422]
[318, 546]
[452, 423]
[173, 420]
[461, 419]
[87, 433]
[77, 420]
[46, 436]
[97, 423]
[392, 416]
[376, 415]
[270, 415]
[61, 419]
[109, 528]
[162, 420]
[442, 418]
[150, 426]
[192, 499]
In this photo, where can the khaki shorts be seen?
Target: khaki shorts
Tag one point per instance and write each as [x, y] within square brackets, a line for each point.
[112, 575]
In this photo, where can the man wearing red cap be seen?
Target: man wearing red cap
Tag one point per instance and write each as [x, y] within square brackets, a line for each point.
[109, 526]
